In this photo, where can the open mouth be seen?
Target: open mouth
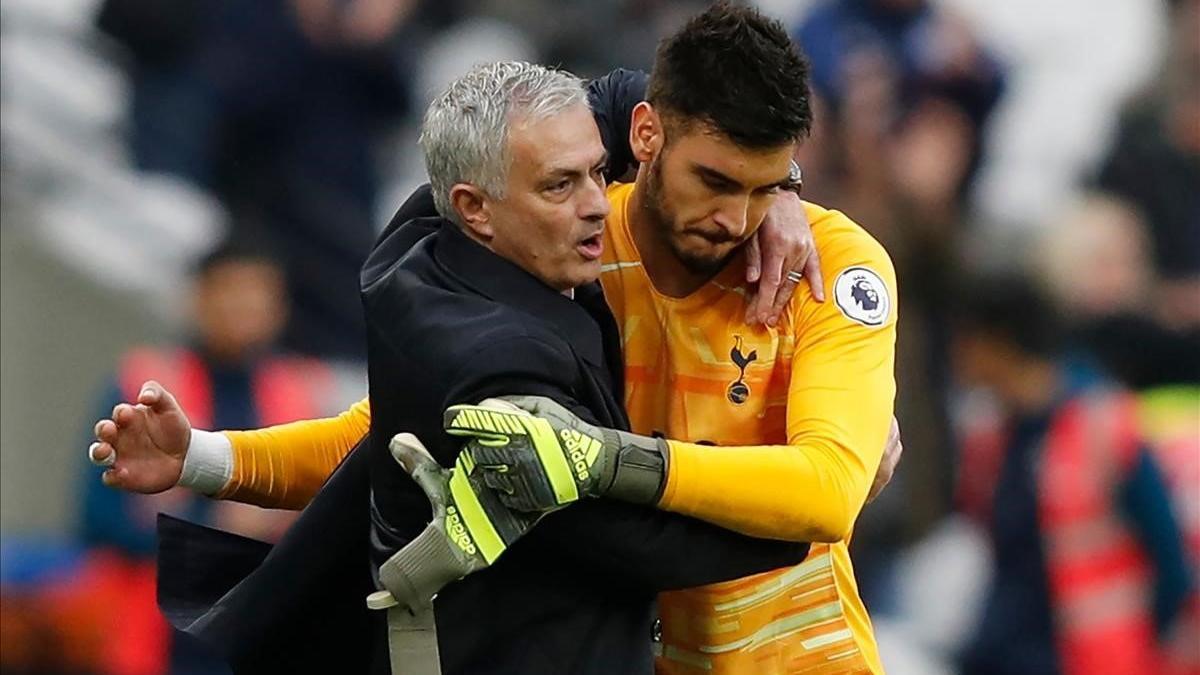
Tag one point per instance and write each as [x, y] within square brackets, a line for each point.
[592, 247]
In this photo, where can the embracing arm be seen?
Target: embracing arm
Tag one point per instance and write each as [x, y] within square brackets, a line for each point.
[840, 403]
[650, 547]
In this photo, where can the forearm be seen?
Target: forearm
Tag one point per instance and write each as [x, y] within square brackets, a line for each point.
[659, 550]
[812, 491]
[276, 467]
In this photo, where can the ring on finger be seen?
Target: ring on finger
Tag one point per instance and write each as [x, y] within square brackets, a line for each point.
[795, 276]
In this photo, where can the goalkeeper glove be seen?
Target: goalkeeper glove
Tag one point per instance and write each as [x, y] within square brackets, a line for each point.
[470, 528]
[537, 454]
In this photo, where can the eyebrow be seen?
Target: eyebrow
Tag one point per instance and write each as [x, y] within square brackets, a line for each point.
[565, 172]
[718, 177]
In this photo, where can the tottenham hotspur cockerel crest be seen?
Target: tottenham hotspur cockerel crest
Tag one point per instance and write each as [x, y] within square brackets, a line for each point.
[862, 296]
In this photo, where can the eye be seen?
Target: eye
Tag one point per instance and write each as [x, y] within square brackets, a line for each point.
[559, 187]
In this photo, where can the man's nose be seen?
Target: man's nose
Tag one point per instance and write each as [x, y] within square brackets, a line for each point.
[593, 203]
[733, 216]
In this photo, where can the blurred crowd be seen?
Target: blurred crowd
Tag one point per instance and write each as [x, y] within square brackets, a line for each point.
[1032, 168]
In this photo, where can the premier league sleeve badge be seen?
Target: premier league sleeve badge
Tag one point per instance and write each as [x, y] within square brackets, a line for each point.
[862, 296]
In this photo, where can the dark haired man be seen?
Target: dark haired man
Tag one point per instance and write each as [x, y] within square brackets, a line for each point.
[726, 105]
[811, 443]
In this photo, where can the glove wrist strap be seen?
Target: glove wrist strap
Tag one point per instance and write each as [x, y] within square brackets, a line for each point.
[419, 570]
[641, 467]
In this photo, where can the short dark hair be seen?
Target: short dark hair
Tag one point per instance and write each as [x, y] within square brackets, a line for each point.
[737, 70]
[1010, 308]
[237, 248]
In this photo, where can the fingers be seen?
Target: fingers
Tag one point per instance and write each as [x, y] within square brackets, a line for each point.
[151, 393]
[115, 478]
[102, 454]
[123, 414]
[753, 259]
[416, 460]
[410, 452]
[786, 289]
[499, 481]
[485, 423]
[106, 432]
[814, 276]
[768, 286]
[157, 398]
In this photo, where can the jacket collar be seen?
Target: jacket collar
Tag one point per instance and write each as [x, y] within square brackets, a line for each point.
[503, 281]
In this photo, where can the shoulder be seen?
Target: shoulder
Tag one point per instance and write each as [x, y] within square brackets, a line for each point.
[860, 279]
[518, 347]
[840, 239]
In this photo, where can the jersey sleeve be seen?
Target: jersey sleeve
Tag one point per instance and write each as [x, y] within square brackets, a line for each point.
[283, 466]
[840, 403]
[613, 98]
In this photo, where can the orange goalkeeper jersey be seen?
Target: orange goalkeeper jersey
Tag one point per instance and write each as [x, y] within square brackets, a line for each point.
[816, 391]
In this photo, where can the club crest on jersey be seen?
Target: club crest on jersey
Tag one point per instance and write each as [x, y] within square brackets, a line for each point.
[738, 390]
[862, 296]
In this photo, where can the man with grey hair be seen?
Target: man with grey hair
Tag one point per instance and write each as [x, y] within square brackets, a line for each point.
[499, 296]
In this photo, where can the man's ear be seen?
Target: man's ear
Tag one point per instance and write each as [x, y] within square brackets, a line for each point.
[474, 208]
[646, 138]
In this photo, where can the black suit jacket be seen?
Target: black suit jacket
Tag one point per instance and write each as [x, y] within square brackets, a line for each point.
[450, 322]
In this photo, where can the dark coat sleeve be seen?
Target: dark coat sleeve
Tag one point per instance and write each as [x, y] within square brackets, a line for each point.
[636, 544]
[612, 98]
[1145, 501]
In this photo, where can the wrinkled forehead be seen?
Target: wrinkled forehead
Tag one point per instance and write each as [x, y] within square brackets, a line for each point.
[565, 139]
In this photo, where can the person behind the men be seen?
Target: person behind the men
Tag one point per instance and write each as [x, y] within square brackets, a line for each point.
[709, 198]
[1090, 569]
[228, 373]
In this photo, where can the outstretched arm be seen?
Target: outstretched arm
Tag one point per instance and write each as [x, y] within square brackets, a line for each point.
[150, 446]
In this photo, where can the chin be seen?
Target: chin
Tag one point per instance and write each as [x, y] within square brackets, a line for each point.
[703, 263]
[582, 274]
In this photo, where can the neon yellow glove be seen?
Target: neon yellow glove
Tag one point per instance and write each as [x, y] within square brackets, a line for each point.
[537, 454]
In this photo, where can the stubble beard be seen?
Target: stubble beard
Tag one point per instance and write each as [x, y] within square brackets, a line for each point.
[663, 223]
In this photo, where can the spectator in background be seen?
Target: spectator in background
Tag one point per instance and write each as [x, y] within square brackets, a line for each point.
[904, 91]
[1154, 165]
[1096, 259]
[228, 376]
[1098, 263]
[1090, 572]
[274, 105]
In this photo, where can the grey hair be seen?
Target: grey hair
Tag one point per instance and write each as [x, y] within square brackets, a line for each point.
[464, 136]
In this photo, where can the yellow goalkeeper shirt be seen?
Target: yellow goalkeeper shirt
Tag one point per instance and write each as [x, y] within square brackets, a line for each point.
[801, 413]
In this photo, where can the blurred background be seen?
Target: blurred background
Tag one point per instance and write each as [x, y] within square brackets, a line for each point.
[189, 187]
